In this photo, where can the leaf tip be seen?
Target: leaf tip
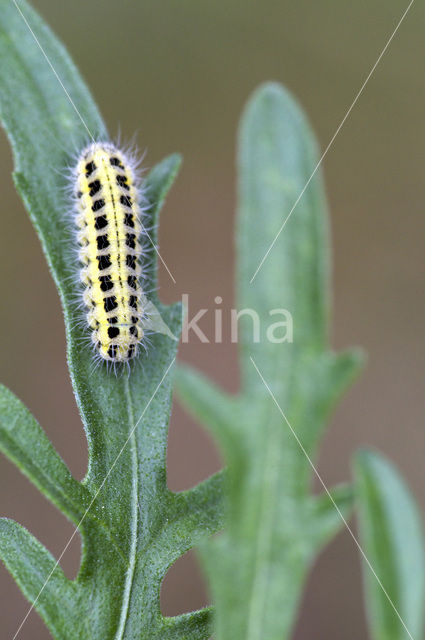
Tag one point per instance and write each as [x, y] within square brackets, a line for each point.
[273, 94]
[366, 458]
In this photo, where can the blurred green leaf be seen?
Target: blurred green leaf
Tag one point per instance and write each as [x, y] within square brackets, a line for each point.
[135, 528]
[275, 526]
[392, 537]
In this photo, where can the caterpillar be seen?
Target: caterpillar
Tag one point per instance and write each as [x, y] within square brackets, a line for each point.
[108, 224]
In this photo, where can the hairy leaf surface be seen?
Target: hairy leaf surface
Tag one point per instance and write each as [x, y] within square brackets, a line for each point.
[132, 527]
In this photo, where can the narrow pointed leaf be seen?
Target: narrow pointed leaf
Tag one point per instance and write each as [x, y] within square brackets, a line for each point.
[392, 537]
[35, 571]
[331, 512]
[188, 626]
[23, 441]
[212, 406]
[157, 185]
[199, 511]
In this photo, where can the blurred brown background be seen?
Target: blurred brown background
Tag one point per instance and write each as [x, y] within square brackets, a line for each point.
[179, 73]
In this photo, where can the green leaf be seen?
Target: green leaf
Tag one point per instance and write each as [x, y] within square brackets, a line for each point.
[215, 409]
[392, 537]
[132, 527]
[276, 157]
[330, 510]
[269, 433]
[23, 441]
[36, 572]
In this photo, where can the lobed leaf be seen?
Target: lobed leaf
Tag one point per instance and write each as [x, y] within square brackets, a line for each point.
[132, 526]
[270, 431]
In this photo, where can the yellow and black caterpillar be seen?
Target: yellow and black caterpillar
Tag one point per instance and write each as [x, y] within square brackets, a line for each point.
[109, 228]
